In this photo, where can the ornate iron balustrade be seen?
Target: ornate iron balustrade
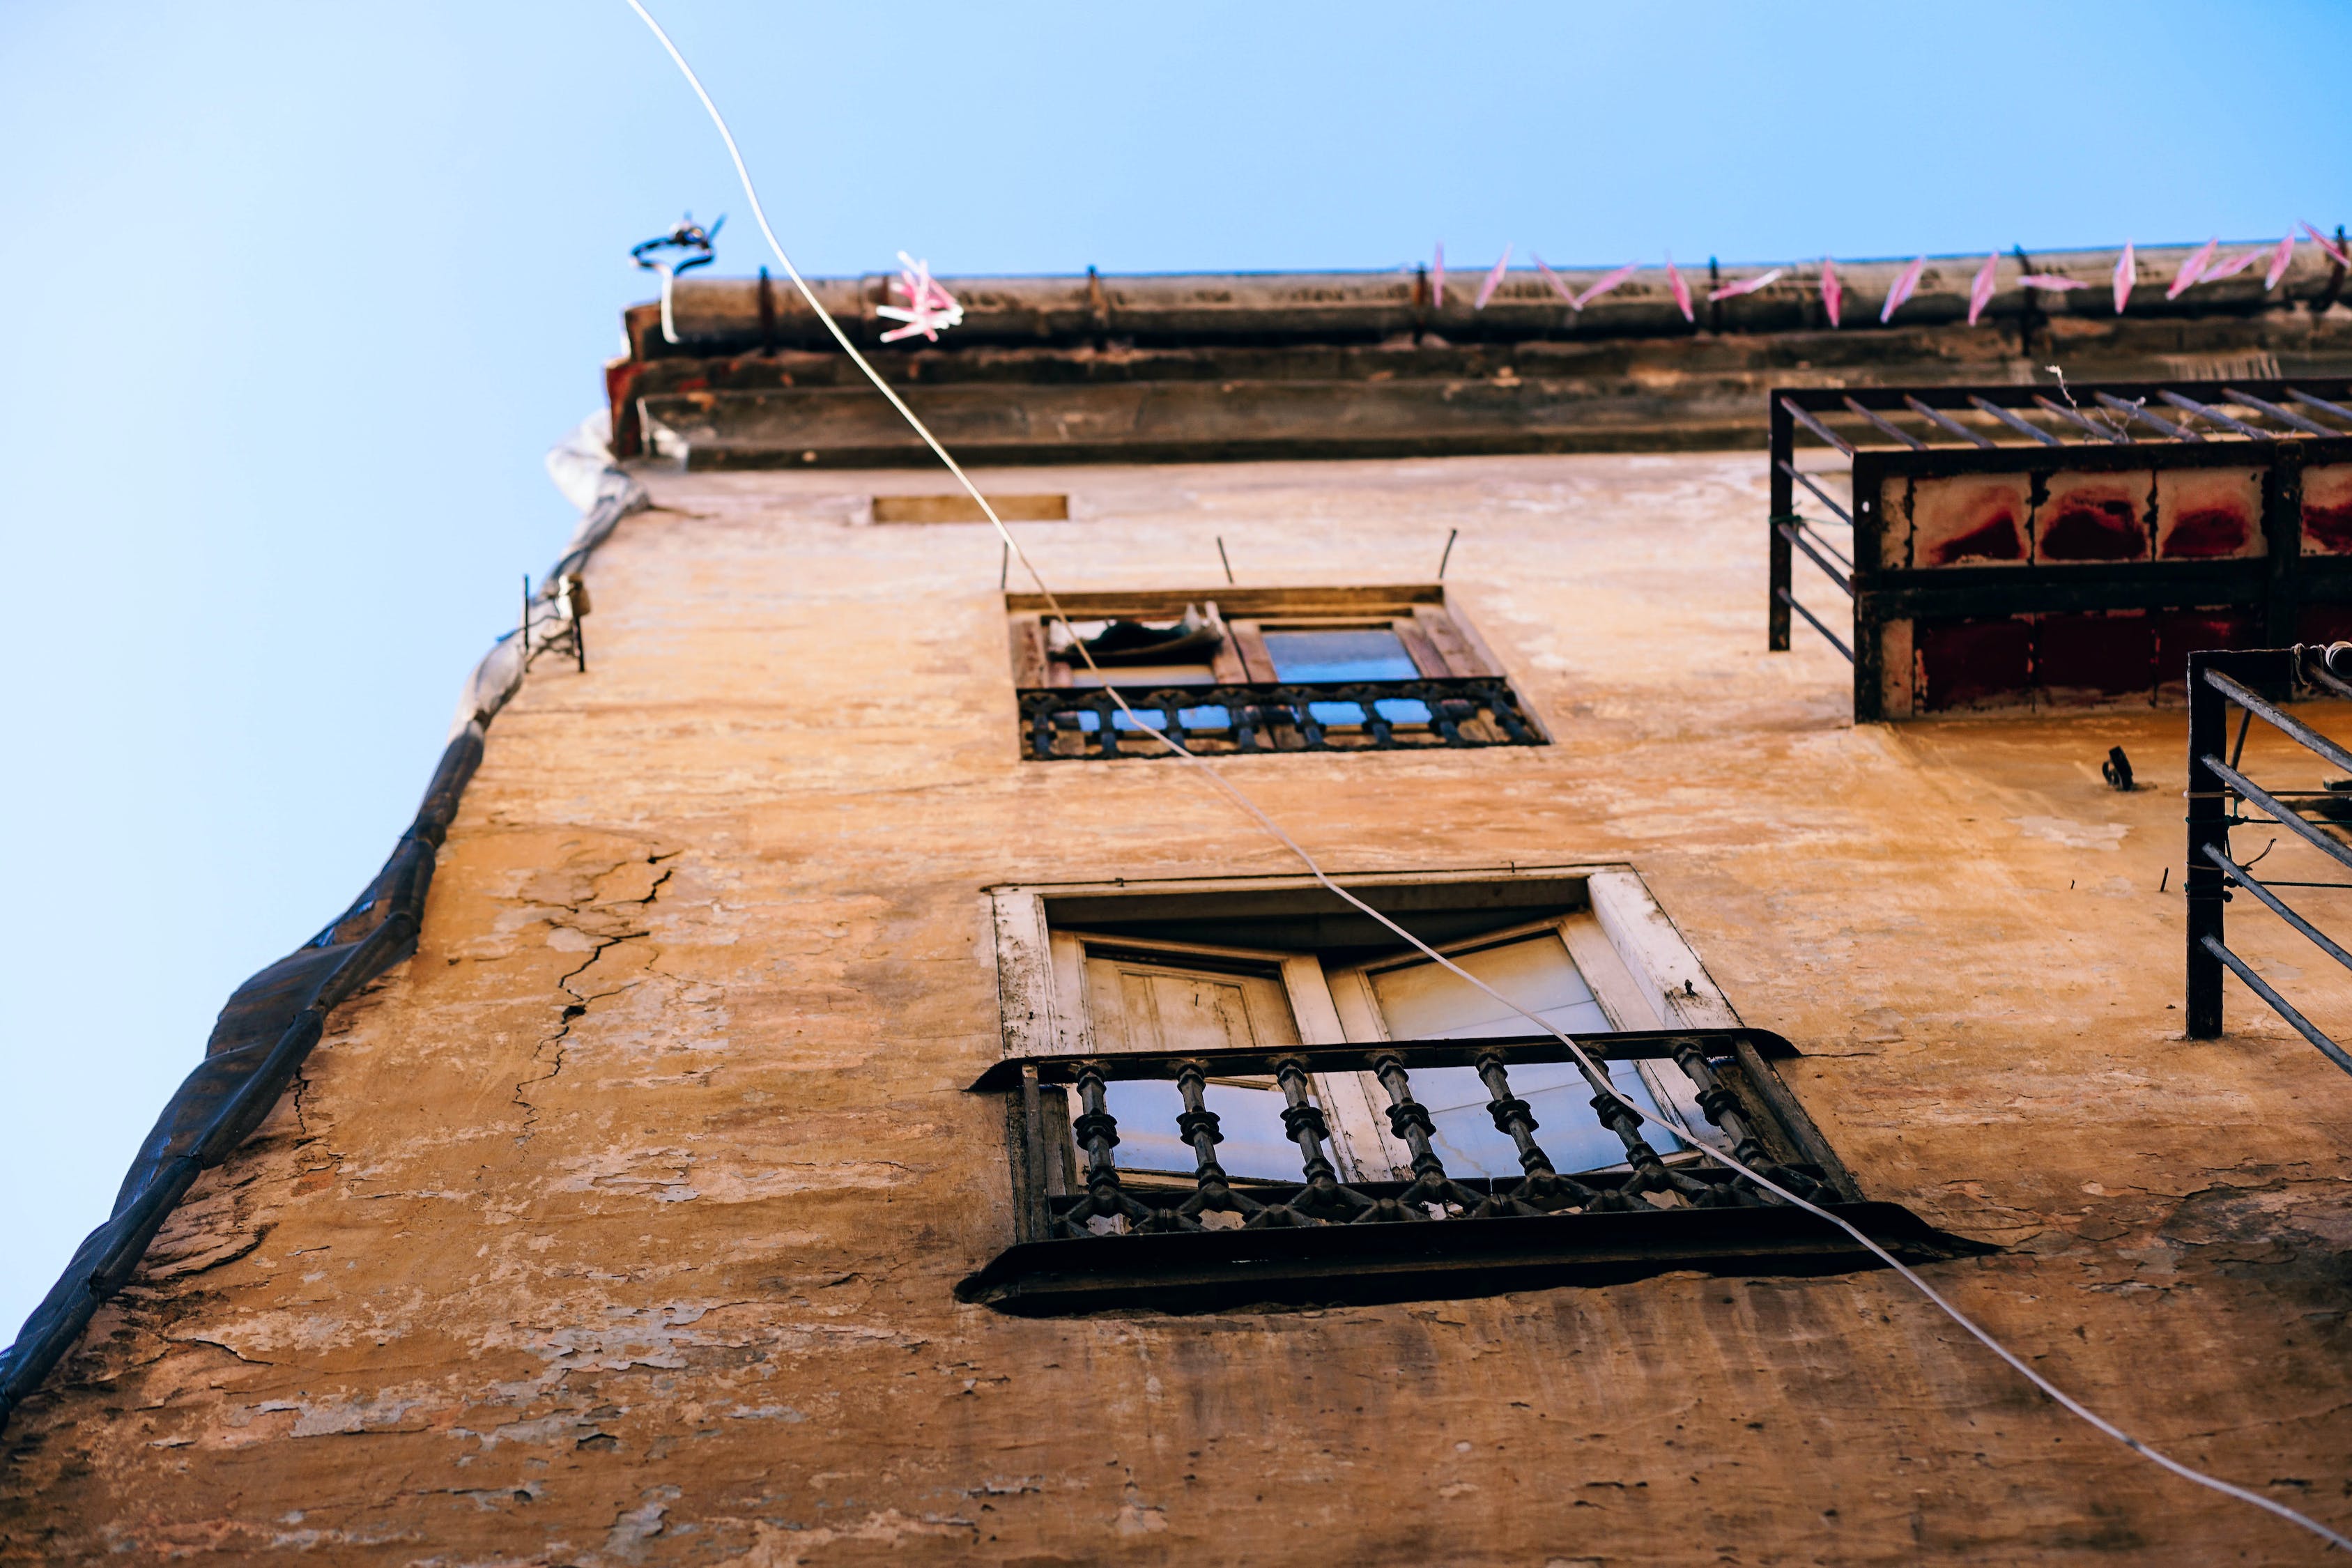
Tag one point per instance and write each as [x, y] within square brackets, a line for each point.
[2254, 681]
[1063, 721]
[1091, 1236]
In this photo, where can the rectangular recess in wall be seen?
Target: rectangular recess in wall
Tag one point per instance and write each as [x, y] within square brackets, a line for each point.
[963, 509]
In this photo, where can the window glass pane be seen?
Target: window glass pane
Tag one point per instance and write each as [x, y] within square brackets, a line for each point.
[1249, 1119]
[1364, 654]
[1424, 1001]
[1155, 719]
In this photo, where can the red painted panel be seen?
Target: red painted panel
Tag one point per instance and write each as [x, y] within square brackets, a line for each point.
[2327, 509]
[2205, 514]
[1966, 663]
[2093, 517]
[2179, 633]
[2087, 656]
[1970, 520]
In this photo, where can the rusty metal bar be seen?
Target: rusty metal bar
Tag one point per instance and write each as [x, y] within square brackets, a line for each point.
[2015, 422]
[2077, 416]
[1836, 576]
[2295, 729]
[1817, 428]
[1943, 421]
[2284, 417]
[2140, 411]
[1899, 434]
[2191, 406]
[2293, 821]
[2280, 1005]
[2321, 404]
[1811, 531]
[2240, 875]
[1790, 600]
[1819, 494]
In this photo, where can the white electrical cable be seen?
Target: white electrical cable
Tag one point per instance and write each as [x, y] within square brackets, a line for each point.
[1592, 1070]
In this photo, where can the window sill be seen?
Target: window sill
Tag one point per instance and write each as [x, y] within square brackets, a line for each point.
[1365, 1264]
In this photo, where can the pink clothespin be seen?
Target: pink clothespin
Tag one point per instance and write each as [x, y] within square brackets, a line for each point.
[1494, 282]
[2326, 244]
[929, 308]
[2127, 272]
[1681, 290]
[2279, 259]
[1902, 290]
[1833, 292]
[1559, 287]
[2193, 268]
[1608, 281]
[1437, 278]
[2055, 282]
[1980, 289]
[2234, 266]
[1746, 286]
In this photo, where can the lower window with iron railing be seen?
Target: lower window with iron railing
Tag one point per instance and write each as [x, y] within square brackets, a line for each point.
[1091, 1236]
[1069, 722]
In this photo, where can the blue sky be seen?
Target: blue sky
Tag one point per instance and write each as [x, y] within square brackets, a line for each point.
[303, 291]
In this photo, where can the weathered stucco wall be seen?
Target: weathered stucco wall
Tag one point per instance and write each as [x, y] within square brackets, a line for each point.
[620, 1225]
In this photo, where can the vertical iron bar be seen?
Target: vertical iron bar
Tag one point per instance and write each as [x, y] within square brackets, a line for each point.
[2208, 817]
[1783, 502]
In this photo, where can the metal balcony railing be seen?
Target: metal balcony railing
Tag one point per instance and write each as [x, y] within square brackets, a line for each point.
[1090, 1234]
[1066, 721]
[2023, 540]
[2253, 682]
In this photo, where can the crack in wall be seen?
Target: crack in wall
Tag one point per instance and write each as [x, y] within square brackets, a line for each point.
[577, 1007]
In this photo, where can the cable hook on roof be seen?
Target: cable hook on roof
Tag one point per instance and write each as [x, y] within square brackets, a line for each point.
[690, 245]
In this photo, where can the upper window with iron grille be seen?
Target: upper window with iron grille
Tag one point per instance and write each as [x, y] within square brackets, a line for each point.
[1243, 670]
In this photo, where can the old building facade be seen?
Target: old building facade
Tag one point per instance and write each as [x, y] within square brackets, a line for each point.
[683, 1197]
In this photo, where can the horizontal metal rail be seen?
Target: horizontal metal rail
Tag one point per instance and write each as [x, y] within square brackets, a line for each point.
[2285, 815]
[2017, 424]
[2279, 1005]
[1817, 428]
[2293, 728]
[1885, 429]
[1815, 622]
[1815, 556]
[2244, 879]
[2227, 422]
[2218, 682]
[1819, 494]
[2140, 412]
[1944, 422]
[2285, 416]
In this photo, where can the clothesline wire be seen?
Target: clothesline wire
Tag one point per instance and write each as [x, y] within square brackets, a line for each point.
[1274, 829]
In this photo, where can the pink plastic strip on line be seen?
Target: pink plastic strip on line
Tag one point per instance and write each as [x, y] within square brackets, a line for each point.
[1681, 290]
[2328, 246]
[1746, 285]
[2193, 269]
[1833, 292]
[2279, 260]
[2127, 273]
[1980, 288]
[1494, 282]
[1608, 281]
[1902, 290]
[1559, 287]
